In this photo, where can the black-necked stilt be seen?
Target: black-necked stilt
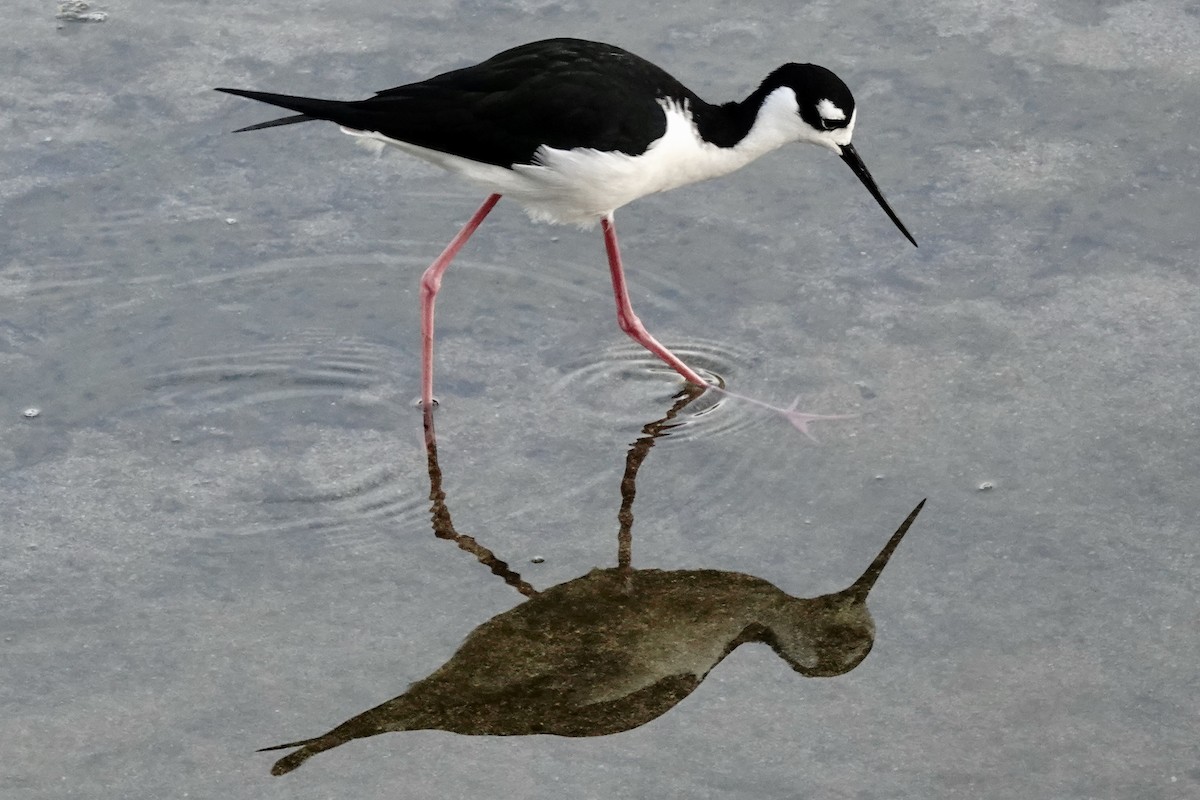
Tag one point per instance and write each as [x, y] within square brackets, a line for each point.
[613, 649]
[573, 130]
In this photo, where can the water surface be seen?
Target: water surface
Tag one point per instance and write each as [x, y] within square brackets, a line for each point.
[216, 530]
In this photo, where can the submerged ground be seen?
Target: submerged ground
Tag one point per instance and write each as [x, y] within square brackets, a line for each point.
[215, 528]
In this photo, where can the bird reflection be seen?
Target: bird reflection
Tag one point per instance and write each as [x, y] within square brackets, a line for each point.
[615, 648]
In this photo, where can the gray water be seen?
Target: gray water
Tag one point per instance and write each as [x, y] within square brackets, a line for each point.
[215, 530]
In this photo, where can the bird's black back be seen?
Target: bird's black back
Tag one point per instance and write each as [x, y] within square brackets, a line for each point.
[563, 93]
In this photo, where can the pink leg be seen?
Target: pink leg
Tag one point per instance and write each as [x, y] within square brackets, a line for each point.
[628, 320]
[630, 323]
[431, 281]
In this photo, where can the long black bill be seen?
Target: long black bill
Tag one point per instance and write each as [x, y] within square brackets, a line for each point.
[850, 156]
[861, 587]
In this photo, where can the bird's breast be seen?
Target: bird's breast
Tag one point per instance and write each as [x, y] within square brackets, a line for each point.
[583, 184]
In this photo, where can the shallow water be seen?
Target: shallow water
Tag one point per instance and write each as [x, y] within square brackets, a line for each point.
[216, 528]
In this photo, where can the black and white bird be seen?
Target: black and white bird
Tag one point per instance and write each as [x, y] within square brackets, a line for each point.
[573, 130]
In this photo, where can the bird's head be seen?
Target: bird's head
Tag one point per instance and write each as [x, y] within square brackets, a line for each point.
[823, 104]
[831, 634]
[826, 116]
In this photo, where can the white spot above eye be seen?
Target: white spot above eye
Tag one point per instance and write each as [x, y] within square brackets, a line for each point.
[828, 110]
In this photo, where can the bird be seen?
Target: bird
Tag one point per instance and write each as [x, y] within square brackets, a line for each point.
[573, 130]
[615, 648]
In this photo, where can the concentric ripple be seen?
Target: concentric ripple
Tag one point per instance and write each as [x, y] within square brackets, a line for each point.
[366, 507]
[629, 386]
[333, 468]
[305, 366]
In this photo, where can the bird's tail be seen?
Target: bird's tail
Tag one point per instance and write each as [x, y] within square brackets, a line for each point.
[308, 749]
[342, 112]
[274, 122]
[301, 743]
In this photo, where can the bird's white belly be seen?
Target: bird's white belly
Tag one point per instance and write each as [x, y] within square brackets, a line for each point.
[582, 185]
